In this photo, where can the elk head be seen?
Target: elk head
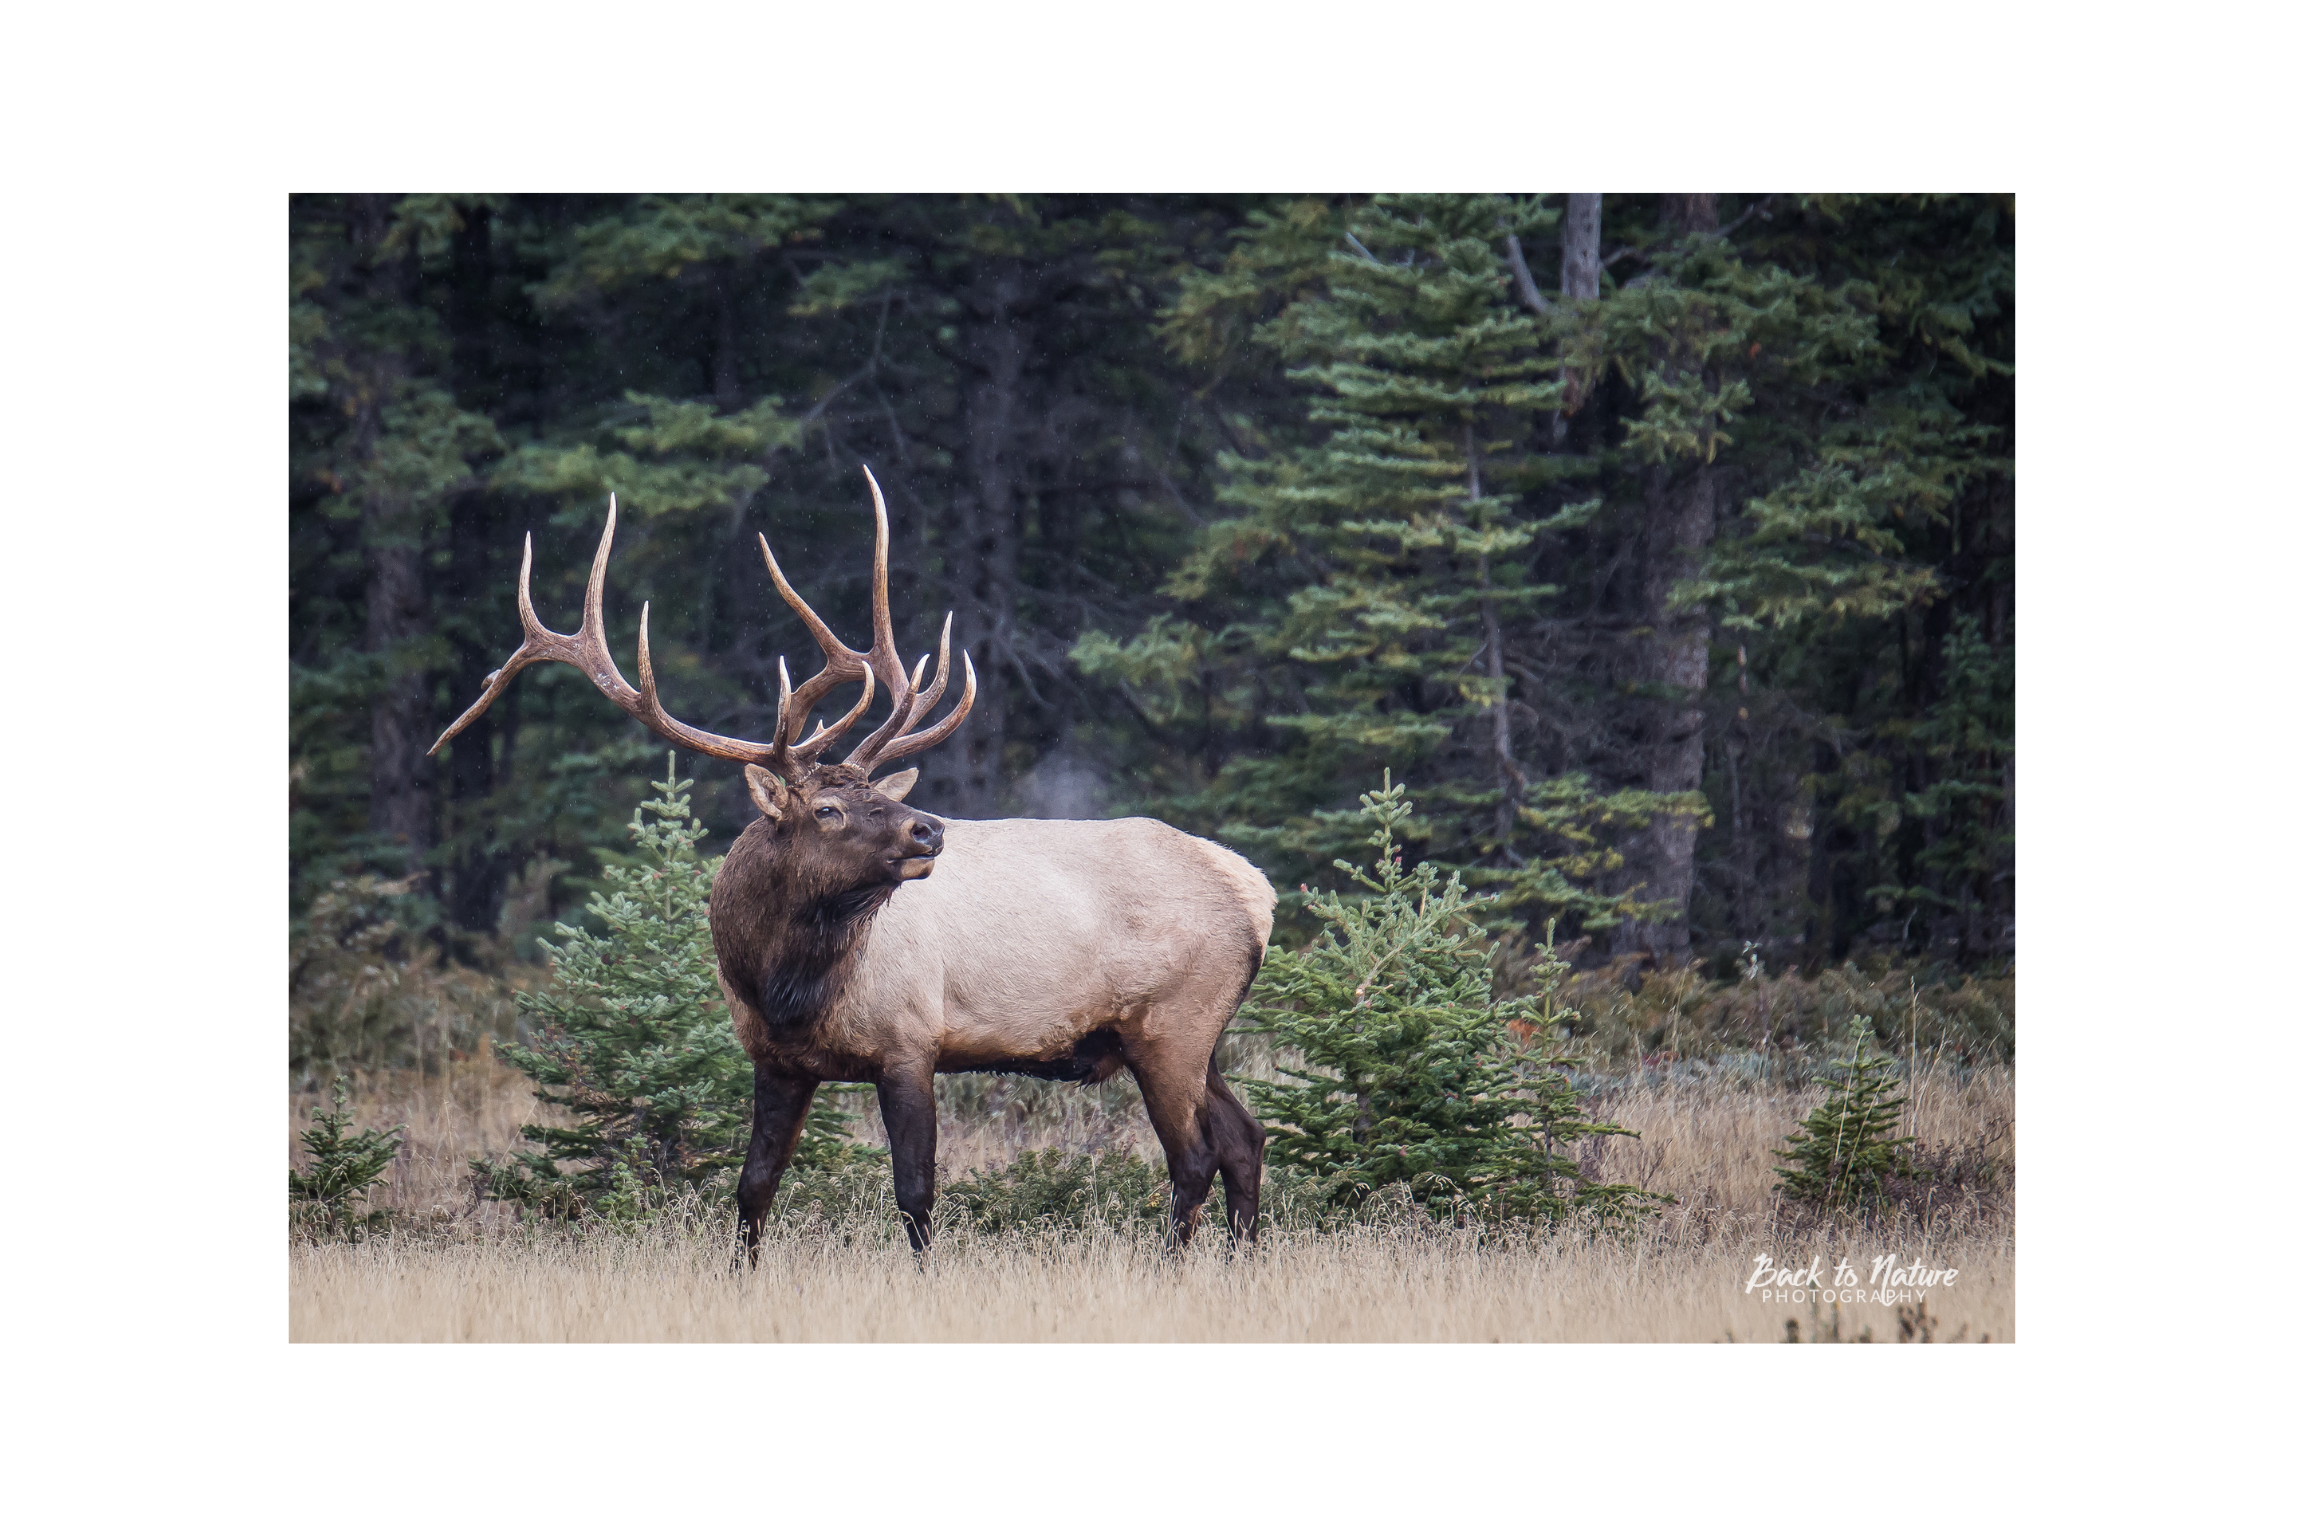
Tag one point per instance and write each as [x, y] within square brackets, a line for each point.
[837, 832]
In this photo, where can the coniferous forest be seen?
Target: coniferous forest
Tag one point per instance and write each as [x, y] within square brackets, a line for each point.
[1663, 544]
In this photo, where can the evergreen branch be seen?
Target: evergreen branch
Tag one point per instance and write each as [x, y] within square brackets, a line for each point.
[1758, 208]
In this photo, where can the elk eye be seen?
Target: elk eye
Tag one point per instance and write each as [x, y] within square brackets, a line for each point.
[827, 813]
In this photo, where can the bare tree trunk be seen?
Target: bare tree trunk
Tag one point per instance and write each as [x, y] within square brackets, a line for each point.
[1692, 213]
[725, 388]
[1580, 247]
[1511, 781]
[1999, 536]
[399, 799]
[399, 803]
[476, 763]
[1680, 514]
[1579, 279]
[982, 567]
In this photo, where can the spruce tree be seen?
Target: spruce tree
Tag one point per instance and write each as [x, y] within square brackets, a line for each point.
[1381, 562]
[1046, 384]
[341, 1166]
[633, 1039]
[1846, 1151]
[1411, 1072]
[1967, 740]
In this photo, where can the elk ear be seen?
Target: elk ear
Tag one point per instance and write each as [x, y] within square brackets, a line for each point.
[768, 791]
[897, 785]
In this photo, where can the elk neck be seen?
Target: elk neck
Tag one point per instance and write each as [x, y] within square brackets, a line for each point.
[785, 937]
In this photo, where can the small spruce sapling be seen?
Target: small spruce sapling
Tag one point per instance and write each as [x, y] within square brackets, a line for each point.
[340, 1170]
[1411, 1074]
[1845, 1152]
[1556, 1112]
[633, 1039]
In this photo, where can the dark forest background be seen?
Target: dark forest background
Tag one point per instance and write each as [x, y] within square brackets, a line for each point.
[1663, 544]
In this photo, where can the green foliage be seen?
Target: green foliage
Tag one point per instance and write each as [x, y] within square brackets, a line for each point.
[658, 456]
[1776, 1022]
[1063, 1191]
[1968, 739]
[1232, 533]
[1845, 1153]
[633, 1040]
[694, 238]
[1411, 1072]
[1369, 565]
[367, 991]
[341, 1166]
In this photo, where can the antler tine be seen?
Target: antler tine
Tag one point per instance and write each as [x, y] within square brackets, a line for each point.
[822, 631]
[592, 634]
[825, 735]
[921, 741]
[883, 655]
[903, 710]
[841, 664]
[927, 701]
[587, 650]
[876, 749]
[535, 645]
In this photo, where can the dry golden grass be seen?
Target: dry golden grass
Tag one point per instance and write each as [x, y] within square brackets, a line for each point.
[674, 1284]
[463, 1272]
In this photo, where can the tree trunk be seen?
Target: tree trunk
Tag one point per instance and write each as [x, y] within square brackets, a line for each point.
[2000, 531]
[1674, 658]
[1692, 213]
[1580, 247]
[481, 758]
[727, 391]
[1579, 279]
[988, 512]
[1511, 780]
[399, 799]
[399, 804]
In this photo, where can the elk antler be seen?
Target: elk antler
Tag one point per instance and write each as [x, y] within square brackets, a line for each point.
[896, 736]
[587, 651]
[788, 753]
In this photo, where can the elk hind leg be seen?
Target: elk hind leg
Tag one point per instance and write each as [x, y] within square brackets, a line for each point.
[1239, 1142]
[1177, 1100]
[779, 1114]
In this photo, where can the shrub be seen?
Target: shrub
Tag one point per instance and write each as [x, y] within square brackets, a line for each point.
[1846, 1153]
[1064, 1190]
[1680, 1013]
[633, 1039]
[339, 1171]
[1411, 1071]
[366, 993]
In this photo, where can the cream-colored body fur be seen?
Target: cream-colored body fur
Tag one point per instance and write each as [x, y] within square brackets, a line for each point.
[1030, 934]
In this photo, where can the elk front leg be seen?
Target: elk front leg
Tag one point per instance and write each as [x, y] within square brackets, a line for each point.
[908, 1108]
[779, 1114]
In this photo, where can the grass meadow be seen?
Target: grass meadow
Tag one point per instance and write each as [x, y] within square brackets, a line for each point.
[835, 1267]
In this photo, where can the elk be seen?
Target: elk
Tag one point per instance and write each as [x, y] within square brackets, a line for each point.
[861, 941]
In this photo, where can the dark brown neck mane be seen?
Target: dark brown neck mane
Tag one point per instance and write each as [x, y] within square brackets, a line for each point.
[783, 941]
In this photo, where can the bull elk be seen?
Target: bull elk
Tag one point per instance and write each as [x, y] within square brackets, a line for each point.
[1059, 949]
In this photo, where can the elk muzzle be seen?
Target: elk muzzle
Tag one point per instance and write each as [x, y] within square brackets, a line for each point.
[923, 840]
